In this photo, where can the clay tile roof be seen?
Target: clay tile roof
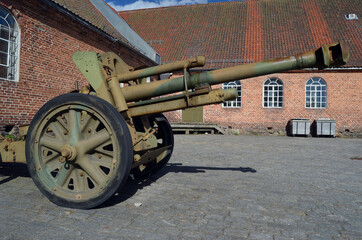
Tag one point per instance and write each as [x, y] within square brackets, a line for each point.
[237, 32]
[88, 12]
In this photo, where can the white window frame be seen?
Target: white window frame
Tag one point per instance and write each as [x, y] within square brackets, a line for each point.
[316, 93]
[237, 103]
[274, 87]
[11, 66]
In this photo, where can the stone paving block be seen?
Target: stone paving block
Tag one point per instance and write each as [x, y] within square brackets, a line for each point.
[214, 187]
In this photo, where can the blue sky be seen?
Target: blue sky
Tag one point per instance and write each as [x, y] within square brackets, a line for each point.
[122, 5]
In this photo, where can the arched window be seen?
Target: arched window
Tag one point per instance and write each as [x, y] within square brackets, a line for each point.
[237, 102]
[316, 93]
[273, 94]
[9, 45]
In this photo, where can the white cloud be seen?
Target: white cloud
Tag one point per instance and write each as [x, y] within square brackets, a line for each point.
[140, 4]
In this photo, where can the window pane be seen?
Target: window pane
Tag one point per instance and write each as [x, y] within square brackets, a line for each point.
[4, 45]
[11, 21]
[2, 21]
[3, 72]
[4, 33]
[3, 59]
[237, 101]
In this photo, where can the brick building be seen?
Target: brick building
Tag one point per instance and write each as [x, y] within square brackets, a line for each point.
[249, 31]
[37, 41]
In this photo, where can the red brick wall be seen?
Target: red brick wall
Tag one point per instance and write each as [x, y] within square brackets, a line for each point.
[344, 99]
[48, 40]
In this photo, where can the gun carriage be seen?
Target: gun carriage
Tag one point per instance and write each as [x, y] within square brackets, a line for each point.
[81, 147]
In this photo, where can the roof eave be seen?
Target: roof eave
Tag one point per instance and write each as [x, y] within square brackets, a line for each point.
[93, 28]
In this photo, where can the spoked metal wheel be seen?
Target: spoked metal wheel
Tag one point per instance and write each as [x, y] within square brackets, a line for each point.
[165, 138]
[79, 150]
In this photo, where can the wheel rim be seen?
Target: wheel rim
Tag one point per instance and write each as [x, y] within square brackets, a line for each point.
[75, 152]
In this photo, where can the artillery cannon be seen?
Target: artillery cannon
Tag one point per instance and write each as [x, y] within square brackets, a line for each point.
[81, 147]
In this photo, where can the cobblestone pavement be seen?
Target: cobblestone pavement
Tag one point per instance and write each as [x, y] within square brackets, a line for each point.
[215, 187]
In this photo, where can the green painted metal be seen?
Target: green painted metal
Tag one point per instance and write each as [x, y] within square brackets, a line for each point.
[195, 114]
[89, 64]
[166, 68]
[333, 55]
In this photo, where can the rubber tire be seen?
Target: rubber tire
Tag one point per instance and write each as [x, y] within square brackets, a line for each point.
[165, 128]
[119, 129]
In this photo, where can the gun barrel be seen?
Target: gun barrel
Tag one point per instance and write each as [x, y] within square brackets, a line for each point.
[326, 56]
[165, 68]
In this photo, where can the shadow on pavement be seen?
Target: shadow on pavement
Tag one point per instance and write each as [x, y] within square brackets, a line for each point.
[133, 185]
[12, 171]
[177, 167]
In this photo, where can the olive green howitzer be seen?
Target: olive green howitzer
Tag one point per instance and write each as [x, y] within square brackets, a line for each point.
[82, 147]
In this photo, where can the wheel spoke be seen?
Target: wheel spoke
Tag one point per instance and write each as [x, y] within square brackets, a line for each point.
[92, 170]
[63, 174]
[101, 149]
[95, 140]
[105, 161]
[79, 180]
[95, 125]
[51, 142]
[50, 157]
[53, 164]
[57, 130]
[86, 121]
[74, 125]
[62, 123]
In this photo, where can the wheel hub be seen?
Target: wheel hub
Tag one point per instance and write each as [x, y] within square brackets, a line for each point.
[69, 153]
